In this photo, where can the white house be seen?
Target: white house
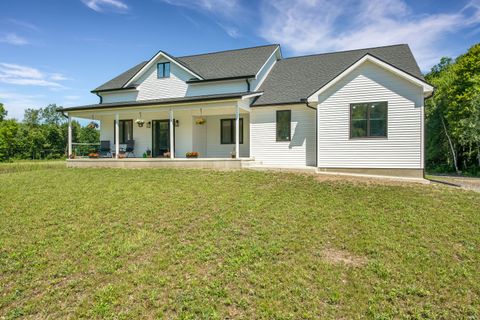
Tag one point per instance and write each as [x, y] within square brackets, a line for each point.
[358, 111]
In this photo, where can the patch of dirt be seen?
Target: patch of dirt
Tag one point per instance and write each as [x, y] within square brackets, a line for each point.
[365, 180]
[338, 257]
[466, 183]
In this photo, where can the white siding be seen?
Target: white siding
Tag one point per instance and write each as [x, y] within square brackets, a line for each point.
[116, 96]
[217, 88]
[217, 150]
[369, 83]
[264, 147]
[150, 87]
[255, 84]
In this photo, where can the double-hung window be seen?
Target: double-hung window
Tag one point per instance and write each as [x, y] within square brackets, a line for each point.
[163, 70]
[284, 120]
[368, 120]
[125, 131]
[227, 131]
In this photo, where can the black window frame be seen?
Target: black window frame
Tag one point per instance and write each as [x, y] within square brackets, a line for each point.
[163, 64]
[278, 138]
[368, 135]
[232, 131]
[121, 126]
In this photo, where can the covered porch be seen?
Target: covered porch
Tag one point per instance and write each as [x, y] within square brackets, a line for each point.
[197, 134]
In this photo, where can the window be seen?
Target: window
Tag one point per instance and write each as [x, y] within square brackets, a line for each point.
[125, 131]
[227, 131]
[368, 120]
[163, 70]
[284, 118]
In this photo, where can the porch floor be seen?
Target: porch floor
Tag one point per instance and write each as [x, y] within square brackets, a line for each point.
[202, 163]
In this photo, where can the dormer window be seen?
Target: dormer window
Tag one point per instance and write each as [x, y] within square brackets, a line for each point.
[163, 70]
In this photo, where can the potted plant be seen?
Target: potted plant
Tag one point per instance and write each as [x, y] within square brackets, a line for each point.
[192, 154]
[148, 153]
[93, 155]
[92, 125]
[166, 154]
[140, 122]
[200, 121]
[233, 154]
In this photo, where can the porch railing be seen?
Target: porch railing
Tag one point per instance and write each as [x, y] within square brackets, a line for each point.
[83, 149]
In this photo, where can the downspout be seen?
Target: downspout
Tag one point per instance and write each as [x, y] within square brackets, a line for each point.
[316, 129]
[248, 85]
[99, 96]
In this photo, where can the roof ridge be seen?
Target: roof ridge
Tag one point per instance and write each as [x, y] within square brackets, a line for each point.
[230, 50]
[343, 51]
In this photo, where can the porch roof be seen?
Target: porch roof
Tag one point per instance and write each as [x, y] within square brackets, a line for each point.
[164, 101]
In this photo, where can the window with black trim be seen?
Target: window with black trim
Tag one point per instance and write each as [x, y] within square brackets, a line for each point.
[368, 120]
[163, 70]
[227, 131]
[125, 128]
[284, 121]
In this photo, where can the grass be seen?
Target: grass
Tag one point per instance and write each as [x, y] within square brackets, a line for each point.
[197, 244]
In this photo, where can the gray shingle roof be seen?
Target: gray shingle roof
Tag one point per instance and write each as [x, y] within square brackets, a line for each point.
[228, 64]
[120, 80]
[210, 97]
[215, 65]
[296, 78]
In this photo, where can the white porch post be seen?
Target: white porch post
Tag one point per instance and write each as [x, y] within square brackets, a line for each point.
[117, 135]
[172, 140]
[237, 133]
[69, 136]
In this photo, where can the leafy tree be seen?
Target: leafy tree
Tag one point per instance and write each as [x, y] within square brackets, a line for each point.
[31, 117]
[3, 112]
[453, 113]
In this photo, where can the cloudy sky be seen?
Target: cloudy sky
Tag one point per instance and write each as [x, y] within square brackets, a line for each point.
[56, 51]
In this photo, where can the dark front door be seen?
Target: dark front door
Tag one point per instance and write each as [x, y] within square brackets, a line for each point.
[160, 137]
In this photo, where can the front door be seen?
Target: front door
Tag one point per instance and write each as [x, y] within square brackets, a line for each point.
[160, 137]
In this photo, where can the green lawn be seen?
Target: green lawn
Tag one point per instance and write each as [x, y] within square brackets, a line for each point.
[190, 244]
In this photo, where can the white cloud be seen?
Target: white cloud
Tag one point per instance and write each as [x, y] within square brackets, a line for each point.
[23, 24]
[229, 12]
[22, 75]
[102, 5]
[16, 103]
[220, 7]
[315, 26]
[12, 38]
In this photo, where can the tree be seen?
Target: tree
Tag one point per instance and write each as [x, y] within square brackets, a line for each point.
[31, 117]
[3, 112]
[453, 113]
[50, 115]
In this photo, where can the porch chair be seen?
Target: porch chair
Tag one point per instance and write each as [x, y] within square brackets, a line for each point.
[130, 147]
[105, 150]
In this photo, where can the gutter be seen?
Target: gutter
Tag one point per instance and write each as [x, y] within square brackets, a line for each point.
[100, 97]
[220, 79]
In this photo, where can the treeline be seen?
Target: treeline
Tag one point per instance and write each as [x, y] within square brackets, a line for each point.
[41, 135]
[453, 115]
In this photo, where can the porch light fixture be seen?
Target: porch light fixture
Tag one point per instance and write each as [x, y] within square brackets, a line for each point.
[177, 123]
[149, 124]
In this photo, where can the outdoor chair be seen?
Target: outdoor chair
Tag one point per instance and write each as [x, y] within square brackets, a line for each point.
[130, 147]
[105, 150]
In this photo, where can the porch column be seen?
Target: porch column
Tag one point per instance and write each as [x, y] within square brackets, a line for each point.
[117, 135]
[172, 140]
[237, 133]
[69, 136]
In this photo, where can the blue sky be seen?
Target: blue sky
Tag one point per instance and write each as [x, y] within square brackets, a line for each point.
[56, 51]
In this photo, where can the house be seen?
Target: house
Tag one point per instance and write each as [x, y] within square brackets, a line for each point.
[357, 111]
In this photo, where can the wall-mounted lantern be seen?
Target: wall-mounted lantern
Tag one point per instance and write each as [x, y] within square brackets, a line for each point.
[177, 123]
[149, 124]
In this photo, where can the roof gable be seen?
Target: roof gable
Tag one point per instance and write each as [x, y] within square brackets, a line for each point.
[217, 65]
[294, 79]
